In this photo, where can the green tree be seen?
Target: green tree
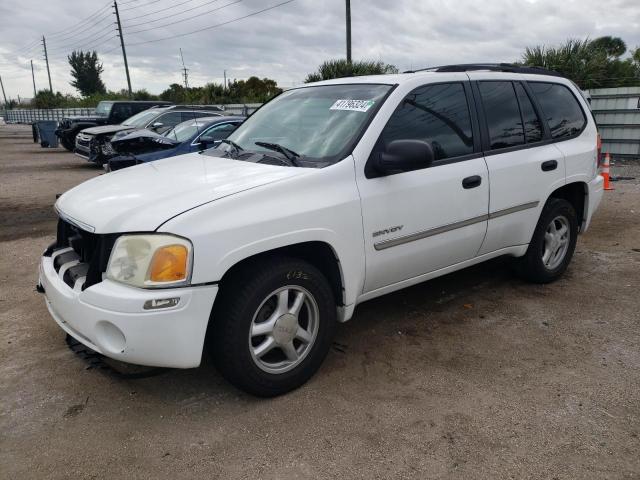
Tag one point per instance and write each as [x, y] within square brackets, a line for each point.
[175, 93]
[86, 71]
[47, 99]
[589, 63]
[341, 68]
[613, 46]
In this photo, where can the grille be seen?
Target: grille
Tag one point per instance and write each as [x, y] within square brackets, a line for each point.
[83, 140]
[79, 257]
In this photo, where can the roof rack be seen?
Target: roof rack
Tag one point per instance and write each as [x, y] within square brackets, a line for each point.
[493, 67]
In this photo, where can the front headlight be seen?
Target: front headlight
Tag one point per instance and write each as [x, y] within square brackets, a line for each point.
[151, 261]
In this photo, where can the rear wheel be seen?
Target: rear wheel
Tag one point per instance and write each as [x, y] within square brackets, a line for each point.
[552, 245]
[272, 326]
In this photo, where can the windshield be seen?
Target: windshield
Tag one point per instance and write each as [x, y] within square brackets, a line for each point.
[185, 131]
[318, 123]
[104, 108]
[141, 119]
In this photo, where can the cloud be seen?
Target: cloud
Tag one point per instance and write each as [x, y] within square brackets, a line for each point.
[290, 41]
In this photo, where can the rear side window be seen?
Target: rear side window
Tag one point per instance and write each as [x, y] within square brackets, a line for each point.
[438, 114]
[169, 119]
[533, 131]
[561, 109]
[502, 113]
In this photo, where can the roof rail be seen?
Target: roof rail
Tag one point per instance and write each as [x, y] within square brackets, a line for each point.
[494, 67]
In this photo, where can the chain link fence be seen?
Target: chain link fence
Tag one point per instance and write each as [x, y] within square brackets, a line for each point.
[33, 115]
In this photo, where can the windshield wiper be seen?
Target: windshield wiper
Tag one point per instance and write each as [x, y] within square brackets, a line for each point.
[287, 152]
[236, 148]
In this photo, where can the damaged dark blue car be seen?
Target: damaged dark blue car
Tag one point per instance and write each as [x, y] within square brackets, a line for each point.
[143, 146]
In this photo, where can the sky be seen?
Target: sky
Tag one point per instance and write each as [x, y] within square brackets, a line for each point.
[287, 42]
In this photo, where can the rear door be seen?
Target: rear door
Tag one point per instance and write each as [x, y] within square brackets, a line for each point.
[523, 165]
[567, 121]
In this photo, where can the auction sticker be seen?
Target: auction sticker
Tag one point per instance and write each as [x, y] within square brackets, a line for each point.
[352, 105]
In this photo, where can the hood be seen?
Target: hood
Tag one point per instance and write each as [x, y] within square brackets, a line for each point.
[106, 129]
[143, 197]
[141, 141]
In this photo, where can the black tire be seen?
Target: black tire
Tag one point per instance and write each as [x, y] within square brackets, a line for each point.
[239, 299]
[531, 266]
[34, 133]
[69, 144]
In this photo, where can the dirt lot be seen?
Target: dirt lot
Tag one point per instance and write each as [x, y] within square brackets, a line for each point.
[474, 375]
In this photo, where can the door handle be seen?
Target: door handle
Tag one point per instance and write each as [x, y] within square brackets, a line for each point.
[549, 165]
[472, 182]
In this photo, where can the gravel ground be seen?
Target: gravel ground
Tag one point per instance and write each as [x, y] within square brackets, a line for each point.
[473, 375]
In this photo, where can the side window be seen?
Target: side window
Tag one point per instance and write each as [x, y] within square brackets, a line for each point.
[533, 131]
[561, 109]
[139, 107]
[438, 114]
[169, 120]
[218, 132]
[121, 112]
[502, 114]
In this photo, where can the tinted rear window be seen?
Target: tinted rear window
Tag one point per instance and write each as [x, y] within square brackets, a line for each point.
[502, 113]
[561, 109]
[532, 125]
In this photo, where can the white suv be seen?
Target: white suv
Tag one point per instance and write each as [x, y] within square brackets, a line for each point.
[331, 194]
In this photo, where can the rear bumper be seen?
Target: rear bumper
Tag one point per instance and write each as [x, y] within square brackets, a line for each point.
[109, 318]
[596, 190]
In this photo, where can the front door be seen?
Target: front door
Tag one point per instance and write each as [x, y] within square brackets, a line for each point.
[419, 221]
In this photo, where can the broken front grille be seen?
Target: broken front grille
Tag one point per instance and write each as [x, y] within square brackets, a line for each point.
[79, 257]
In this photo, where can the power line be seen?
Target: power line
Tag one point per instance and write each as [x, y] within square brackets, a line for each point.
[103, 16]
[129, 25]
[213, 26]
[175, 5]
[185, 19]
[90, 17]
[139, 6]
[94, 46]
[86, 40]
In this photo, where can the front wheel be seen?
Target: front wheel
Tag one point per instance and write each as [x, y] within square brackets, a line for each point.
[272, 326]
[552, 245]
[69, 144]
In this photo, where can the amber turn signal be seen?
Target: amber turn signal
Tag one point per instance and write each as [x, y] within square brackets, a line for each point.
[169, 264]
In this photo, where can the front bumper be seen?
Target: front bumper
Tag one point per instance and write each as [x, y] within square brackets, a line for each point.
[596, 190]
[109, 318]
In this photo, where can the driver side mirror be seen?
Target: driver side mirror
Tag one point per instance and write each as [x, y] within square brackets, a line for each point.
[157, 125]
[404, 156]
[207, 142]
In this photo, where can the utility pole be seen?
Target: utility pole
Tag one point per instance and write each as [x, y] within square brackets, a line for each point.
[184, 72]
[225, 81]
[348, 5]
[33, 77]
[6, 105]
[46, 59]
[124, 52]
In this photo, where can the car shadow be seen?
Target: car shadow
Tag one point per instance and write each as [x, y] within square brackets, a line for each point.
[442, 295]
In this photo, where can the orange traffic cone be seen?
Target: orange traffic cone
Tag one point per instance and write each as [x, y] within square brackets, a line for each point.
[605, 171]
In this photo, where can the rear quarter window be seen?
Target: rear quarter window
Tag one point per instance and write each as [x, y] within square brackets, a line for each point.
[561, 109]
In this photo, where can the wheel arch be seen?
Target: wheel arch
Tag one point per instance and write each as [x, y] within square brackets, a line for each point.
[577, 194]
[320, 254]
